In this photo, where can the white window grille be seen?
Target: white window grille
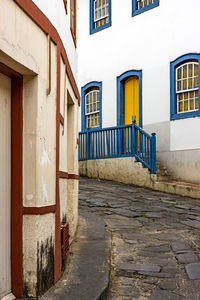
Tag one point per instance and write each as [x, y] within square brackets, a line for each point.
[144, 3]
[101, 12]
[187, 87]
[92, 108]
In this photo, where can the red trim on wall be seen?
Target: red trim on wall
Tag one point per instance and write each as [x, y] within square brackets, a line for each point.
[73, 20]
[65, 4]
[9, 72]
[16, 186]
[58, 263]
[73, 176]
[39, 210]
[63, 174]
[43, 22]
[66, 175]
[62, 121]
[49, 91]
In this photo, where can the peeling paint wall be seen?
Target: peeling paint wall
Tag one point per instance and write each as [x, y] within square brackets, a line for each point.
[38, 253]
[72, 206]
[24, 47]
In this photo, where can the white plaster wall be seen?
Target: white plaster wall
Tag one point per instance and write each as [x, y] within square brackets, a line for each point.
[187, 131]
[149, 41]
[55, 12]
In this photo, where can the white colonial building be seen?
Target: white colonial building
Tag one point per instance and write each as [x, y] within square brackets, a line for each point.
[141, 57]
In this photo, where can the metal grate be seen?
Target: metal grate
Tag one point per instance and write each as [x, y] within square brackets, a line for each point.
[65, 239]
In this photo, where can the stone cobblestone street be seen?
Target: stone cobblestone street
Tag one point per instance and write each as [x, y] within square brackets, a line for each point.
[155, 243]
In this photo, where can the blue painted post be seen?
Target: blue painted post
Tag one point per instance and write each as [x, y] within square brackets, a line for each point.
[136, 141]
[79, 155]
[88, 145]
[117, 140]
[95, 136]
[114, 143]
[101, 155]
[133, 137]
[153, 153]
[128, 142]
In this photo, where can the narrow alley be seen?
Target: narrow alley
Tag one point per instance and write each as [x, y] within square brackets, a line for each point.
[155, 240]
[152, 239]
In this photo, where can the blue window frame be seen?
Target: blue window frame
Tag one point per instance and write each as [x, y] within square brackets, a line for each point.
[184, 87]
[91, 106]
[140, 6]
[100, 15]
[120, 95]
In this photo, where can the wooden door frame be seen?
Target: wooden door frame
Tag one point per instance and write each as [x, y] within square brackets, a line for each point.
[16, 179]
[120, 95]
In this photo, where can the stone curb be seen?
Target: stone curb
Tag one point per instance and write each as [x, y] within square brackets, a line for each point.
[88, 267]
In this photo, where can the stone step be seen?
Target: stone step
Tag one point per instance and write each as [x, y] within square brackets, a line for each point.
[163, 174]
[180, 188]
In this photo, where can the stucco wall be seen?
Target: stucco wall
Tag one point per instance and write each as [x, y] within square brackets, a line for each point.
[24, 47]
[57, 15]
[126, 170]
[147, 42]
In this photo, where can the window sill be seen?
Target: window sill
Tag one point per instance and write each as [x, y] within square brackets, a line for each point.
[141, 10]
[94, 30]
[185, 115]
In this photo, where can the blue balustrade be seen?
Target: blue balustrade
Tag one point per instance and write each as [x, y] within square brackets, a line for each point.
[119, 141]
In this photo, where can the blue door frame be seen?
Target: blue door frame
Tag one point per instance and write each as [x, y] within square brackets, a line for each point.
[120, 95]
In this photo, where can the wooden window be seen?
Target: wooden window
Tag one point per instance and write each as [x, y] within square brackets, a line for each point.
[187, 87]
[101, 12]
[140, 6]
[144, 3]
[92, 108]
[91, 105]
[100, 15]
[184, 87]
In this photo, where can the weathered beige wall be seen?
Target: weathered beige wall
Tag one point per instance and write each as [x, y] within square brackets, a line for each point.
[38, 253]
[5, 184]
[72, 206]
[125, 170]
[24, 48]
[46, 132]
[72, 159]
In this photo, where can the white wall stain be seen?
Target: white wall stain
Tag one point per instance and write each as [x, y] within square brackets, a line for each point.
[31, 144]
[44, 189]
[45, 158]
[29, 197]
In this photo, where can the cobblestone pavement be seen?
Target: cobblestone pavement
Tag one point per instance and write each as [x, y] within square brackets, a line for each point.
[155, 240]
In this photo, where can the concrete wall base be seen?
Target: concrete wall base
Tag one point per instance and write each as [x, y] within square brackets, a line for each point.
[129, 171]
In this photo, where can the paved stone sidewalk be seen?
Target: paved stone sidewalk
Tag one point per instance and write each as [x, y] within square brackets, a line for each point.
[155, 240]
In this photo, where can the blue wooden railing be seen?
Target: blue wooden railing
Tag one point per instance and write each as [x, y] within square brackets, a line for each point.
[119, 141]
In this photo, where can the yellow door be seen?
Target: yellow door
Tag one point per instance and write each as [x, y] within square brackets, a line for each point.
[131, 100]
